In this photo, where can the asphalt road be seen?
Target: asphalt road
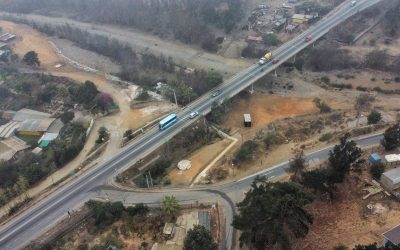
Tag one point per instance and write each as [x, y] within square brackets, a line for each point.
[40, 217]
[226, 194]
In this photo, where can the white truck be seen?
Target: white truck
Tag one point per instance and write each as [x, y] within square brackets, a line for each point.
[267, 57]
[353, 3]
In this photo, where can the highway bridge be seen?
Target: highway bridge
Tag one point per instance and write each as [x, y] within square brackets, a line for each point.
[40, 217]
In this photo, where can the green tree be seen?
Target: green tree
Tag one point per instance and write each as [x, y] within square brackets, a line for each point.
[170, 205]
[245, 151]
[391, 137]
[67, 116]
[377, 170]
[31, 58]
[84, 93]
[271, 40]
[199, 238]
[340, 247]
[374, 117]
[318, 180]
[270, 212]
[344, 157]
[21, 186]
[214, 79]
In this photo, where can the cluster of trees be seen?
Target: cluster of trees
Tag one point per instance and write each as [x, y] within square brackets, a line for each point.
[218, 111]
[245, 152]
[199, 238]
[16, 176]
[31, 58]
[271, 214]
[188, 86]
[186, 20]
[106, 213]
[391, 137]
[344, 158]
[391, 22]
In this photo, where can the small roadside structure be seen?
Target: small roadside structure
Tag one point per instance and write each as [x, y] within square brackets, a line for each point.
[168, 230]
[256, 39]
[391, 179]
[184, 165]
[374, 159]
[392, 237]
[392, 159]
[299, 18]
[247, 120]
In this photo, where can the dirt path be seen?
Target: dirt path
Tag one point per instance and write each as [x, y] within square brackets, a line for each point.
[139, 41]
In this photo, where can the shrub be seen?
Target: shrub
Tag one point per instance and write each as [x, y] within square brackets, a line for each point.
[245, 151]
[377, 170]
[374, 117]
[326, 137]
[360, 88]
[325, 79]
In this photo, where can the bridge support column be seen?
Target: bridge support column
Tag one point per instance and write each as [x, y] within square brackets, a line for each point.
[276, 74]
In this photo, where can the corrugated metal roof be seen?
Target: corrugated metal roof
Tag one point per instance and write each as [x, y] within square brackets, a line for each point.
[36, 125]
[393, 175]
[393, 235]
[29, 114]
[8, 129]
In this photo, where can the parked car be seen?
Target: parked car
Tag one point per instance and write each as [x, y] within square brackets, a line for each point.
[308, 38]
[216, 93]
[193, 114]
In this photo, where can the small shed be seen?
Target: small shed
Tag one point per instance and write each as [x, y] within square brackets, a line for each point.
[374, 159]
[392, 159]
[392, 237]
[247, 120]
[391, 179]
[168, 230]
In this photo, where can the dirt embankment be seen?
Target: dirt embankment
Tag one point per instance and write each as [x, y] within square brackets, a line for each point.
[29, 39]
[139, 41]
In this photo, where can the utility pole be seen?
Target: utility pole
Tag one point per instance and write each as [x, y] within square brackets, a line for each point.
[151, 180]
[176, 101]
[147, 181]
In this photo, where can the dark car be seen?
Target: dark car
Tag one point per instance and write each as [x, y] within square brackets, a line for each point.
[308, 38]
[216, 93]
[275, 61]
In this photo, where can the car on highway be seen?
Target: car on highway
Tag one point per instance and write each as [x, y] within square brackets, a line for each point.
[216, 93]
[193, 114]
[308, 38]
[353, 3]
[275, 61]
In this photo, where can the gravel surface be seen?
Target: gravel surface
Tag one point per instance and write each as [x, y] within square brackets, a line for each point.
[86, 57]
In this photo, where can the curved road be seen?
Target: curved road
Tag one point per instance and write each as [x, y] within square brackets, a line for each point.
[226, 193]
[40, 217]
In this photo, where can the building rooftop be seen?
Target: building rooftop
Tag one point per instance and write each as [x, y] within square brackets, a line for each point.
[392, 158]
[37, 125]
[393, 175]
[9, 147]
[393, 235]
[8, 129]
[29, 114]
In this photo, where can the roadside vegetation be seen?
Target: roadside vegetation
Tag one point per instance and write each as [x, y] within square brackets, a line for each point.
[188, 21]
[142, 68]
[273, 214]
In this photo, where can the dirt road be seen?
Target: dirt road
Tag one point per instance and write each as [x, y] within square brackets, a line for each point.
[139, 41]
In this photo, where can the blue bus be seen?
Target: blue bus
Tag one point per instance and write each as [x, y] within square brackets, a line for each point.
[168, 121]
